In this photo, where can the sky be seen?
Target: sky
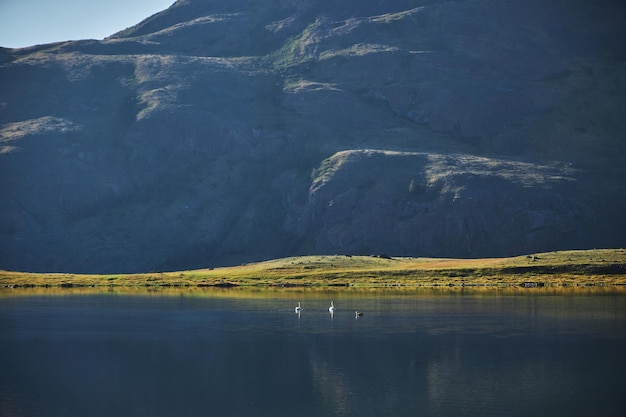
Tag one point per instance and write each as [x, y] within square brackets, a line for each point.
[32, 22]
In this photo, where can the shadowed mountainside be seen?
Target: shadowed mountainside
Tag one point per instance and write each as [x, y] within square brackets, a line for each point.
[215, 133]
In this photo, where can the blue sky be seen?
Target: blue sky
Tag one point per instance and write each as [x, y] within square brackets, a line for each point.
[31, 22]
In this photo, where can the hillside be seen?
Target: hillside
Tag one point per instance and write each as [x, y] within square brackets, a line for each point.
[216, 133]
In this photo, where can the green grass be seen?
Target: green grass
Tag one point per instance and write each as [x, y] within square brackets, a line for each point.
[601, 267]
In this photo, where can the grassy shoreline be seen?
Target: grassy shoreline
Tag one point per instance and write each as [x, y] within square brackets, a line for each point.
[598, 267]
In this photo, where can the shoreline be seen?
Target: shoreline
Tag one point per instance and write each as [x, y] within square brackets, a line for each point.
[586, 268]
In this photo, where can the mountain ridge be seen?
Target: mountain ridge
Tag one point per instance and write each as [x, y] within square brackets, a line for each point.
[218, 133]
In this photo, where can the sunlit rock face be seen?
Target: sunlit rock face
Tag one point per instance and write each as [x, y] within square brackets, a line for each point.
[216, 133]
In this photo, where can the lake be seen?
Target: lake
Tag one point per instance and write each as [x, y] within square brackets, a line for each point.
[232, 352]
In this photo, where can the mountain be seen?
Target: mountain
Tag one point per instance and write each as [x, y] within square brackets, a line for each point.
[215, 133]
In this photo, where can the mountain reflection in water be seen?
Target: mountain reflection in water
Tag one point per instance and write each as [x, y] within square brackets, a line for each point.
[240, 354]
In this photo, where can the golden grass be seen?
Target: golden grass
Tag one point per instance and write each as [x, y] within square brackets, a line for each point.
[600, 267]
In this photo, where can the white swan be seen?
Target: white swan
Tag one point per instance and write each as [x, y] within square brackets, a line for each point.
[298, 309]
[332, 307]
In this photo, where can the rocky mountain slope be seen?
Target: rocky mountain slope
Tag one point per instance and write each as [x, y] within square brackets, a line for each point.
[215, 133]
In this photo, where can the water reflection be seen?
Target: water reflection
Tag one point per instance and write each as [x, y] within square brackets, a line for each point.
[229, 354]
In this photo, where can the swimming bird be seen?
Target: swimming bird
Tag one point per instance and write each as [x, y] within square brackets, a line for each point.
[332, 307]
[298, 309]
[358, 314]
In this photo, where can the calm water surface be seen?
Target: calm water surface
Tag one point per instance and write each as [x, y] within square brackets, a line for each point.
[237, 353]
